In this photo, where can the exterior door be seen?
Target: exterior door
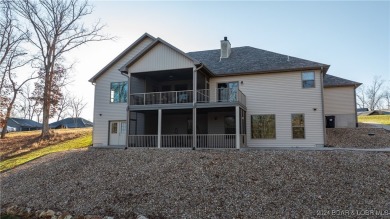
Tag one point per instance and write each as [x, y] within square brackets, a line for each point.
[227, 92]
[118, 132]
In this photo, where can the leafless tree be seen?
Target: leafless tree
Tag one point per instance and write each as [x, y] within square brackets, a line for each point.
[371, 96]
[27, 106]
[386, 97]
[63, 106]
[77, 106]
[57, 29]
[13, 57]
[361, 100]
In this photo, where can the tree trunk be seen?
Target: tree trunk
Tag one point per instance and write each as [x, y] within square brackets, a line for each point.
[46, 104]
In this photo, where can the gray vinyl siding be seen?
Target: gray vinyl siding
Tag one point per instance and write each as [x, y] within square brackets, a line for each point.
[161, 57]
[340, 102]
[281, 94]
[110, 111]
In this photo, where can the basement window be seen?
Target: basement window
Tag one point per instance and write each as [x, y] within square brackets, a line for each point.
[308, 79]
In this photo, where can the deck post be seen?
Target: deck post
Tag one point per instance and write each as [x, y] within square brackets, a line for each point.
[194, 90]
[237, 127]
[159, 128]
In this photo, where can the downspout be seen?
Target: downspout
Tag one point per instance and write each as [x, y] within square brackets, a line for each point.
[322, 101]
[194, 95]
[127, 109]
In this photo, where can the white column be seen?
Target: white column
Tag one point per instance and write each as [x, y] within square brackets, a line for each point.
[194, 91]
[194, 128]
[159, 128]
[237, 127]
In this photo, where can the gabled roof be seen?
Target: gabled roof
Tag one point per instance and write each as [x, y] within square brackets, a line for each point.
[121, 55]
[150, 47]
[249, 60]
[333, 81]
[71, 123]
[26, 123]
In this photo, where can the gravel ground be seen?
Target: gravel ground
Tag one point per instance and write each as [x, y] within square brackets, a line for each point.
[201, 184]
[358, 137]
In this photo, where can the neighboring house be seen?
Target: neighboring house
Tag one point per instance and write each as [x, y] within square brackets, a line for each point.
[374, 112]
[71, 123]
[340, 102]
[223, 98]
[24, 124]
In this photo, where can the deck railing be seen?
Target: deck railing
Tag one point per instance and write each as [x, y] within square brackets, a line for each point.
[177, 97]
[176, 141]
[146, 141]
[185, 141]
[169, 97]
[216, 141]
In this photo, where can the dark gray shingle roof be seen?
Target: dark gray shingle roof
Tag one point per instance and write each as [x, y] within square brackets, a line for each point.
[333, 81]
[71, 123]
[251, 60]
[26, 123]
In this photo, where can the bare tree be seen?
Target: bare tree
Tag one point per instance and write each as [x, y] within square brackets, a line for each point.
[27, 106]
[12, 58]
[77, 106]
[374, 93]
[57, 29]
[361, 100]
[386, 97]
[63, 106]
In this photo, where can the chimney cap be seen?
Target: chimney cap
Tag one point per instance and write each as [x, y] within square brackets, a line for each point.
[225, 38]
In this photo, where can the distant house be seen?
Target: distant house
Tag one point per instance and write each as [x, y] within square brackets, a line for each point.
[375, 112]
[24, 124]
[71, 123]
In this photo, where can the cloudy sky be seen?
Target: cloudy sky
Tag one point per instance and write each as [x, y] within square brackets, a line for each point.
[352, 37]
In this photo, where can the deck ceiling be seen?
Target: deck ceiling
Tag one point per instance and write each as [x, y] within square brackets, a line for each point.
[173, 75]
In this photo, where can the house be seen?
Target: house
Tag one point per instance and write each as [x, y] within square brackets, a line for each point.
[340, 102]
[155, 95]
[71, 123]
[24, 124]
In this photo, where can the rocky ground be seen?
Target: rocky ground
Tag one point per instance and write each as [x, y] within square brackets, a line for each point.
[366, 136]
[201, 184]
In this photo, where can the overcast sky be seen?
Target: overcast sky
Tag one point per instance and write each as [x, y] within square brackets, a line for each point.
[352, 37]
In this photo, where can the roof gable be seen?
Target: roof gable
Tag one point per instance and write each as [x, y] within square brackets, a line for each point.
[252, 60]
[159, 55]
[120, 56]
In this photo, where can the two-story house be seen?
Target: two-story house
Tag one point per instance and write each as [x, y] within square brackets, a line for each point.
[155, 95]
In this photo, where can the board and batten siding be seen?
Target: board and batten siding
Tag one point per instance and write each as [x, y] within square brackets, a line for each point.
[340, 102]
[104, 111]
[159, 58]
[281, 94]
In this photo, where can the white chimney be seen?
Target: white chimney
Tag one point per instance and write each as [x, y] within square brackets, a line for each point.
[225, 48]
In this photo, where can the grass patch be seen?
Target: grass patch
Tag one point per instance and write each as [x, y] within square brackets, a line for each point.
[380, 119]
[77, 143]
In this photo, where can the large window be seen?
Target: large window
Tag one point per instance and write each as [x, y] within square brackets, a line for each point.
[298, 125]
[308, 79]
[263, 126]
[118, 92]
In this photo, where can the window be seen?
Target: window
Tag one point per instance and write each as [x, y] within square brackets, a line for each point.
[307, 79]
[114, 128]
[118, 92]
[263, 126]
[298, 125]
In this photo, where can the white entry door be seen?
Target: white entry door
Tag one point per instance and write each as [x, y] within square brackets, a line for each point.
[118, 132]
